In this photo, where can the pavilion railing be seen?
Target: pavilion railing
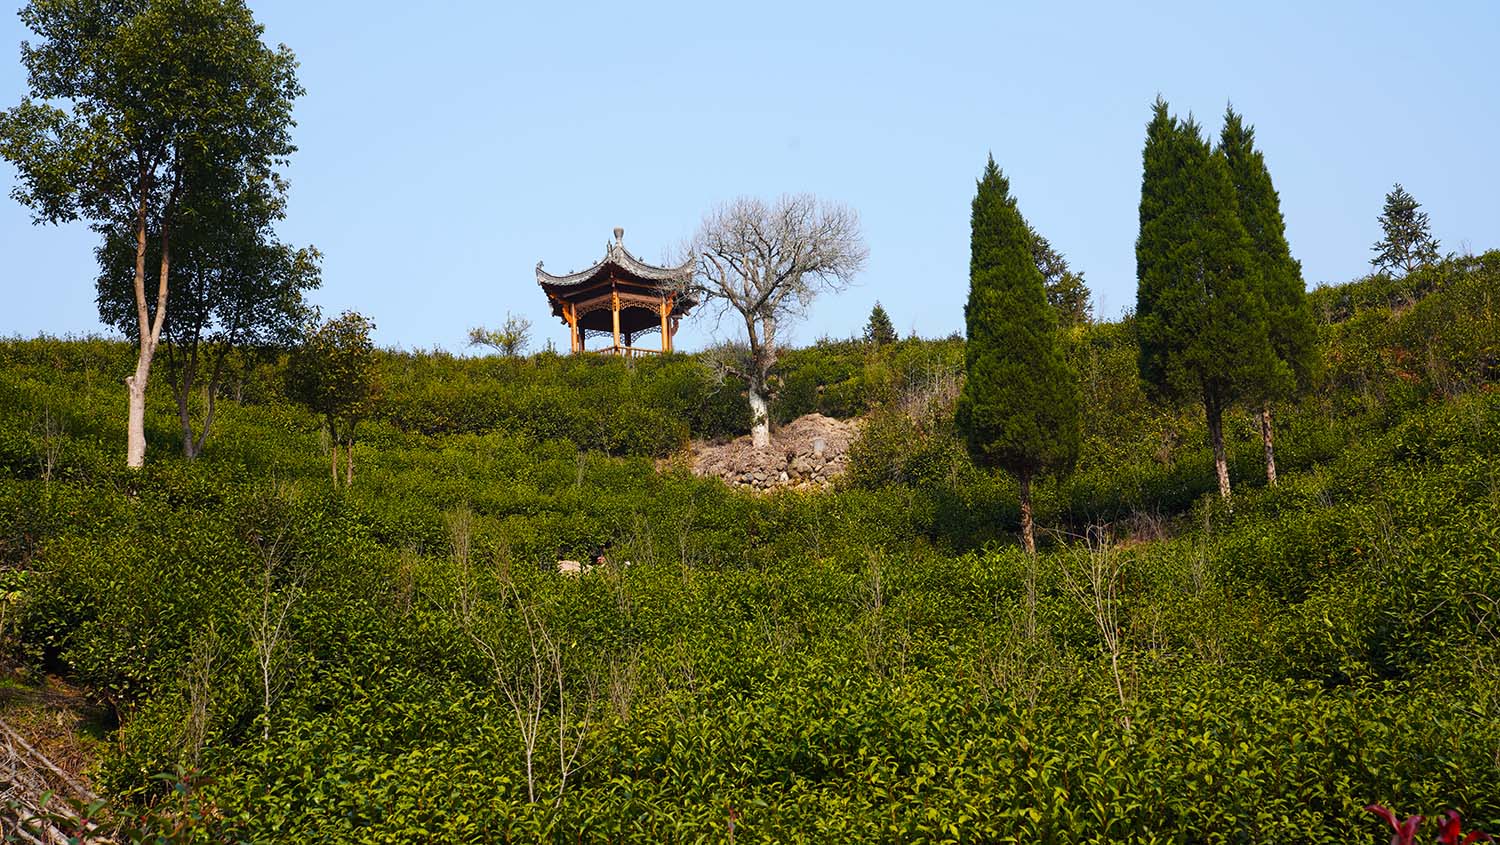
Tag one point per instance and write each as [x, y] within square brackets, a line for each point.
[627, 351]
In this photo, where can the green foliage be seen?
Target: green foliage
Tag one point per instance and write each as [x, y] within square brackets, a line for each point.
[236, 293]
[1289, 320]
[1199, 315]
[895, 449]
[233, 284]
[511, 339]
[1067, 292]
[1019, 405]
[332, 374]
[153, 120]
[644, 407]
[1396, 341]
[833, 378]
[158, 93]
[869, 663]
[847, 379]
[878, 330]
[1407, 241]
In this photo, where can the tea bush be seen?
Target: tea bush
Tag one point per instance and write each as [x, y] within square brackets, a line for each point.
[876, 662]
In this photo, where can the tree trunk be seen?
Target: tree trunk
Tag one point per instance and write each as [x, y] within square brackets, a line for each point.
[149, 325]
[1216, 437]
[182, 387]
[762, 357]
[1028, 534]
[150, 331]
[208, 415]
[189, 442]
[349, 461]
[335, 462]
[760, 420]
[135, 385]
[1265, 437]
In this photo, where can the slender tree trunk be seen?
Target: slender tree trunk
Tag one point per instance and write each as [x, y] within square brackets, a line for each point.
[210, 399]
[349, 460]
[150, 331]
[189, 442]
[185, 382]
[762, 357]
[335, 462]
[1266, 439]
[1028, 534]
[182, 387]
[208, 420]
[135, 384]
[760, 419]
[149, 325]
[1216, 436]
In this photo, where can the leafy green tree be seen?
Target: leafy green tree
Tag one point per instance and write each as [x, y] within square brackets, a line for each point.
[510, 340]
[1018, 409]
[234, 287]
[136, 109]
[333, 374]
[1067, 292]
[879, 331]
[1408, 242]
[1200, 316]
[1289, 319]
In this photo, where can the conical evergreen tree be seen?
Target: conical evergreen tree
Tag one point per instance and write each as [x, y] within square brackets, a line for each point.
[1200, 318]
[1289, 319]
[1408, 242]
[1067, 292]
[879, 331]
[1158, 167]
[1019, 407]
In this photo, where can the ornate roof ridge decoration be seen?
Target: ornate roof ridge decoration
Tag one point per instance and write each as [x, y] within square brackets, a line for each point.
[621, 257]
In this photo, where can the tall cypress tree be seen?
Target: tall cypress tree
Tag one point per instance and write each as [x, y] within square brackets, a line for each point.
[1289, 319]
[1200, 317]
[1157, 171]
[1019, 407]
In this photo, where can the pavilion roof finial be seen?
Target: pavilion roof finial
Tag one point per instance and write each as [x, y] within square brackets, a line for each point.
[619, 235]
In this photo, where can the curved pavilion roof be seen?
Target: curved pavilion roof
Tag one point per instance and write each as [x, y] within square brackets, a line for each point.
[626, 265]
[637, 282]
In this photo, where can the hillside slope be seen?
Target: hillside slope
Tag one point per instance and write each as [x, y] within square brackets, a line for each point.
[400, 662]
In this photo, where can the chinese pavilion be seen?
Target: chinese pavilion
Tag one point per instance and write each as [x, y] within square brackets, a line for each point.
[622, 298]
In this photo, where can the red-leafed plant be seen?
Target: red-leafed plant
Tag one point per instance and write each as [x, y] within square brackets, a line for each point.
[1450, 833]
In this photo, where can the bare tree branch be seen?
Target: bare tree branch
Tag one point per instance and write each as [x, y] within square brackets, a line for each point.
[768, 263]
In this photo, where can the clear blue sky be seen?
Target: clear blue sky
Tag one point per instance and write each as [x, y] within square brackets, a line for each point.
[446, 147]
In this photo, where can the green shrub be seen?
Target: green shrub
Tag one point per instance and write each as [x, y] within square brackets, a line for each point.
[875, 662]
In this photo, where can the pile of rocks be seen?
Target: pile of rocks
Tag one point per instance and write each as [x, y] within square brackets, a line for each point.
[808, 452]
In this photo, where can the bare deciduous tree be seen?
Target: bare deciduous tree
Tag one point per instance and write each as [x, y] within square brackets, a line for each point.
[49, 433]
[552, 699]
[277, 591]
[1092, 575]
[206, 653]
[767, 263]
